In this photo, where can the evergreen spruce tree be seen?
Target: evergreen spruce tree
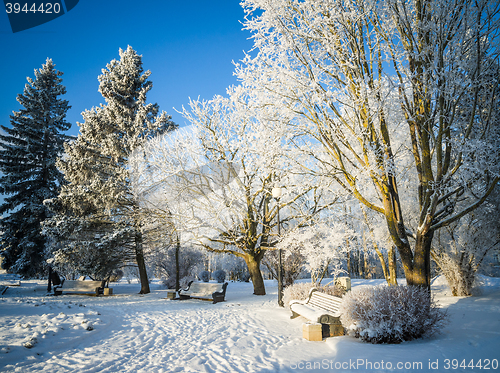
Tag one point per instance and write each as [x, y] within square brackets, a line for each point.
[98, 218]
[28, 153]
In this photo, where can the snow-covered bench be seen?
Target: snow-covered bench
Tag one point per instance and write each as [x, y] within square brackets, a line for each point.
[320, 308]
[204, 290]
[80, 287]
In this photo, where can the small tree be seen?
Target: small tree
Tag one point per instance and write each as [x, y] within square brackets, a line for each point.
[292, 260]
[166, 264]
[219, 275]
[459, 249]
[323, 245]
[28, 154]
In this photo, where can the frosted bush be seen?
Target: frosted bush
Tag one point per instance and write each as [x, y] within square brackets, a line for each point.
[183, 282]
[245, 277]
[242, 276]
[219, 276]
[116, 276]
[390, 314]
[204, 276]
[301, 291]
[169, 283]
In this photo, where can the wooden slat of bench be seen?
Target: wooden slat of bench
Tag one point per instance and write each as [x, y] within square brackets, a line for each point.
[326, 297]
[70, 286]
[320, 308]
[206, 291]
[204, 288]
[323, 305]
[326, 300]
[84, 285]
[323, 301]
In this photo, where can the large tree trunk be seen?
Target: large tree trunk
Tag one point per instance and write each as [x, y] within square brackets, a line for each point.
[253, 264]
[139, 257]
[417, 267]
[422, 260]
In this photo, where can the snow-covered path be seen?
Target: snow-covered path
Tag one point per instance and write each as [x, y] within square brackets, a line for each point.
[148, 333]
[182, 336]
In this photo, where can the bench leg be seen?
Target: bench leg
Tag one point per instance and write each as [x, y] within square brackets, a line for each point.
[218, 299]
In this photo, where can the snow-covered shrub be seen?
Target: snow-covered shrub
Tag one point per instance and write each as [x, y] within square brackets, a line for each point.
[163, 260]
[460, 249]
[219, 276]
[390, 314]
[30, 341]
[244, 276]
[183, 282]
[169, 283]
[204, 276]
[300, 291]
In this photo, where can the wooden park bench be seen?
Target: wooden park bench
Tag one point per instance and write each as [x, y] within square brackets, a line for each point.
[9, 282]
[322, 310]
[80, 287]
[204, 290]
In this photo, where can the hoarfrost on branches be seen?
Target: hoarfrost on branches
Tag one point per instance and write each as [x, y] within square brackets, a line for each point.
[214, 181]
[97, 205]
[396, 93]
[323, 246]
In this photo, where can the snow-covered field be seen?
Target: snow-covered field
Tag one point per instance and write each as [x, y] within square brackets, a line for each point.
[128, 332]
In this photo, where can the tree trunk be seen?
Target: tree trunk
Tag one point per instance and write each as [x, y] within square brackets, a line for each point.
[139, 257]
[177, 265]
[418, 272]
[362, 264]
[349, 266]
[393, 269]
[253, 264]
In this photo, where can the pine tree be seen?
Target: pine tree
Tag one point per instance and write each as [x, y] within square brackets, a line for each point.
[97, 216]
[28, 154]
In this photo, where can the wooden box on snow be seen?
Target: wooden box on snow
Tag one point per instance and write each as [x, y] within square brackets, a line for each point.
[171, 294]
[312, 331]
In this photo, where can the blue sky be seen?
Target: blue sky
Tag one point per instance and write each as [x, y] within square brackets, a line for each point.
[188, 45]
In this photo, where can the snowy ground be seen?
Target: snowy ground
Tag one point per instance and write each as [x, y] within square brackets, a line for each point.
[128, 332]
